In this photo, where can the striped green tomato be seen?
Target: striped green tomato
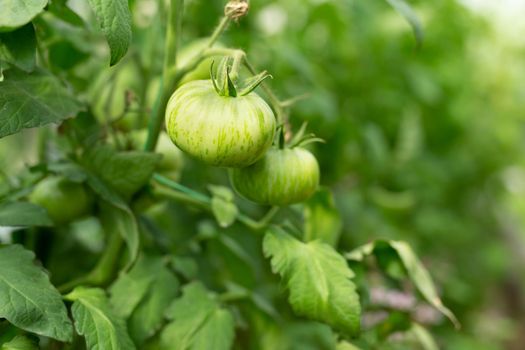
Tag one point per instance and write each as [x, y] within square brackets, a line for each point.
[281, 177]
[219, 130]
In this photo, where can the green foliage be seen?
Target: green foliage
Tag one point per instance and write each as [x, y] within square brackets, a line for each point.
[28, 300]
[33, 100]
[23, 214]
[21, 342]
[317, 278]
[114, 19]
[97, 321]
[198, 322]
[418, 216]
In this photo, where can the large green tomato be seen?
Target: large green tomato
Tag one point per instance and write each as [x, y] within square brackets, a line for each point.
[219, 130]
[64, 200]
[172, 161]
[282, 177]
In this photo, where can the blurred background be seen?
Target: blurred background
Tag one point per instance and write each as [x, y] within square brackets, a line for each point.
[423, 143]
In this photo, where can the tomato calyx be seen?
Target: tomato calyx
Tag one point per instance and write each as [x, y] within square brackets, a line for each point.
[300, 138]
[226, 86]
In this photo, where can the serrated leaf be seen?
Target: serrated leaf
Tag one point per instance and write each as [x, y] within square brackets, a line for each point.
[415, 270]
[131, 287]
[19, 47]
[114, 19]
[21, 342]
[322, 219]
[27, 298]
[148, 317]
[198, 322]
[318, 280]
[16, 13]
[31, 100]
[126, 172]
[23, 214]
[97, 322]
[408, 13]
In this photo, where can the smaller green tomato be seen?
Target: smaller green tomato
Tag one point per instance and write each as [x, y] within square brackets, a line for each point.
[172, 161]
[281, 177]
[219, 130]
[64, 200]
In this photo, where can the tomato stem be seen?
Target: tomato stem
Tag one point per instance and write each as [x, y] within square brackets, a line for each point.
[169, 76]
[179, 192]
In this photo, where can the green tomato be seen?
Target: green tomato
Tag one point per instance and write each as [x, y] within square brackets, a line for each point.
[64, 200]
[172, 161]
[221, 131]
[282, 177]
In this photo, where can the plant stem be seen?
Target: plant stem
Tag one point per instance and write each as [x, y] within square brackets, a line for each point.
[218, 31]
[173, 34]
[182, 193]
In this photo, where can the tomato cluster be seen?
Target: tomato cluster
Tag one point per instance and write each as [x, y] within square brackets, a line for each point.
[214, 123]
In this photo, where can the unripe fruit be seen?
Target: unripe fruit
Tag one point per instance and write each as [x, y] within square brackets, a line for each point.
[281, 177]
[64, 200]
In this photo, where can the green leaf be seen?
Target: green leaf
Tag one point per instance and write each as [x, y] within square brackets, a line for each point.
[60, 9]
[322, 219]
[31, 100]
[21, 342]
[122, 222]
[344, 345]
[97, 322]
[131, 287]
[423, 337]
[318, 280]
[16, 13]
[198, 322]
[126, 172]
[406, 11]
[225, 212]
[223, 206]
[114, 19]
[23, 214]
[19, 47]
[148, 317]
[27, 298]
[415, 270]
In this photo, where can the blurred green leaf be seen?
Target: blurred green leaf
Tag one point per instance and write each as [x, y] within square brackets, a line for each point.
[318, 280]
[23, 214]
[408, 13]
[322, 219]
[126, 172]
[31, 100]
[122, 222]
[114, 19]
[21, 342]
[148, 316]
[96, 320]
[28, 299]
[19, 12]
[19, 47]
[198, 322]
[414, 268]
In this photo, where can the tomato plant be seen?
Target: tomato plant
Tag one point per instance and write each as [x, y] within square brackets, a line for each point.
[259, 175]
